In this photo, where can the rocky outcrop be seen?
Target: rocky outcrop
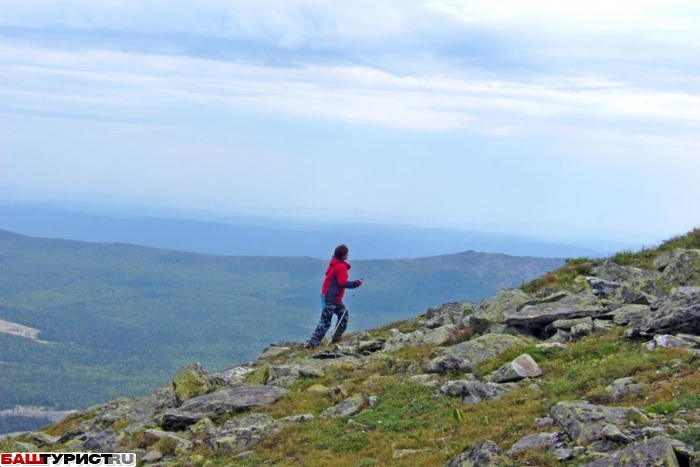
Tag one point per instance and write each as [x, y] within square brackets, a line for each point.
[227, 413]
[465, 356]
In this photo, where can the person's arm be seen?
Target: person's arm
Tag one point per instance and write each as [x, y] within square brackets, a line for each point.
[342, 276]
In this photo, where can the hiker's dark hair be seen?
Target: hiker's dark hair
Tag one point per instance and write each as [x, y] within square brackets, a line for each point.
[341, 251]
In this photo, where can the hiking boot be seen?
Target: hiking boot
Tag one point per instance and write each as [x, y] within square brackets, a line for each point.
[309, 346]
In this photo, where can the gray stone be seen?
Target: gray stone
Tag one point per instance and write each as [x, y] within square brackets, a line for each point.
[581, 330]
[191, 381]
[152, 456]
[679, 315]
[642, 279]
[473, 392]
[656, 452]
[583, 422]
[242, 433]
[484, 453]
[537, 317]
[371, 346]
[494, 310]
[616, 435]
[672, 342]
[157, 435]
[538, 440]
[347, 408]
[520, 368]
[601, 287]
[630, 314]
[684, 270]
[240, 397]
[437, 336]
[464, 356]
[307, 417]
[234, 375]
[176, 420]
[622, 387]
[105, 441]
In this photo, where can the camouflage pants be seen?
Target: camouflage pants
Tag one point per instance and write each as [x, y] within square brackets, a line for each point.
[324, 324]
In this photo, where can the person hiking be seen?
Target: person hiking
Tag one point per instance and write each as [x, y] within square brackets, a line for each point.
[332, 291]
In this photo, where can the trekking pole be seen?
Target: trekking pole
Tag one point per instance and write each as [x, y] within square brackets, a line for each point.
[337, 325]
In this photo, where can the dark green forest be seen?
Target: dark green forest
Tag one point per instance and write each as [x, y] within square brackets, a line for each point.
[120, 319]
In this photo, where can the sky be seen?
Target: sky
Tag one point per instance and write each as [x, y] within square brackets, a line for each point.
[566, 120]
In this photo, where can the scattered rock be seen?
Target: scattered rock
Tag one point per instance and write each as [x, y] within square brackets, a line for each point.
[350, 406]
[484, 453]
[191, 381]
[520, 368]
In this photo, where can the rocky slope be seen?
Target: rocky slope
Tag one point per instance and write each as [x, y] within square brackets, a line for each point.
[449, 356]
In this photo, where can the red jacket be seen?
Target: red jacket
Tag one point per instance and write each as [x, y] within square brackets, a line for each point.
[336, 281]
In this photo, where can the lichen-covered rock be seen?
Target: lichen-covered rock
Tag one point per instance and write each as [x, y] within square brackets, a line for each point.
[473, 392]
[233, 375]
[630, 314]
[642, 279]
[522, 367]
[350, 406]
[671, 342]
[259, 376]
[656, 452]
[537, 317]
[484, 453]
[465, 355]
[622, 387]
[273, 352]
[157, 435]
[583, 422]
[447, 313]
[494, 310]
[438, 336]
[284, 375]
[191, 381]
[537, 440]
[678, 315]
[243, 396]
[683, 270]
[242, 433]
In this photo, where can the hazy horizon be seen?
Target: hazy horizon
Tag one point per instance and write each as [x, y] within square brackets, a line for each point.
[573, 120]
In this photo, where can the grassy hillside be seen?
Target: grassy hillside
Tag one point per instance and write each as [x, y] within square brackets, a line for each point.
[121, 319]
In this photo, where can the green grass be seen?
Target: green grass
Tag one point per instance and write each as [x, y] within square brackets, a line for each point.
[565, 277]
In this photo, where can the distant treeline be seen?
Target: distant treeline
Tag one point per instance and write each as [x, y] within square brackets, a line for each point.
[16, 423]
[121, 319]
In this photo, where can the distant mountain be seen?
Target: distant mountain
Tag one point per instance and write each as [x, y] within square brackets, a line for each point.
[117, 319]
[266, 237]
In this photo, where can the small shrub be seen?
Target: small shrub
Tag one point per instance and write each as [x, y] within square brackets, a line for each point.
[166, 446]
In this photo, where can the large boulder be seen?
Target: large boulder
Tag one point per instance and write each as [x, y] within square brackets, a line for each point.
[242, 433]
[678, 315]
[473, 392]
[466, 355]
[682, 270]
[642, 279]
[493, 311]
[244, 396]
[584, 423]
[484, 453]
[537, 317]
[447, 313]
[191, 381]
[657, 452]
[522, 367]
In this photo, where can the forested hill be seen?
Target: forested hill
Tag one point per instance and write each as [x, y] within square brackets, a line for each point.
[119, 319]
